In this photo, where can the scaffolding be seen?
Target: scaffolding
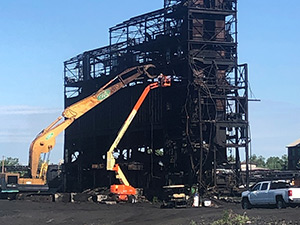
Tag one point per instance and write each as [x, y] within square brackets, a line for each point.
[181, 135]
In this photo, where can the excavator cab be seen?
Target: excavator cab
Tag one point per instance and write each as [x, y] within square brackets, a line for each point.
[9, 183]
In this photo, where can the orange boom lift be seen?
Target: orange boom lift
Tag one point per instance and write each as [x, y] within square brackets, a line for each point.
[124, 191]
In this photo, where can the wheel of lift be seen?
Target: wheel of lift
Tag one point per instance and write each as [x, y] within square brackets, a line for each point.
[131, 199]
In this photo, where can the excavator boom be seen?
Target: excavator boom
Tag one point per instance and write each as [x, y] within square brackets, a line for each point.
[45, 140]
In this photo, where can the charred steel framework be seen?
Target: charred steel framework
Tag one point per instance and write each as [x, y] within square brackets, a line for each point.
[182, 134]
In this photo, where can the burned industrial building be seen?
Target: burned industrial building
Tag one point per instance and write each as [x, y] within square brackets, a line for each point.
[182, 134]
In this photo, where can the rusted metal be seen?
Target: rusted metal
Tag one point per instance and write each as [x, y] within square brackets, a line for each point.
[182, 135]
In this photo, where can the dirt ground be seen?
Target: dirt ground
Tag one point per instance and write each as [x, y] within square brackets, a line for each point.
[88, 213]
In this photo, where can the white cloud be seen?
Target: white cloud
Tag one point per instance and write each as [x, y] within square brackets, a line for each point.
[19, 126]
[13, 136]
[26, 110]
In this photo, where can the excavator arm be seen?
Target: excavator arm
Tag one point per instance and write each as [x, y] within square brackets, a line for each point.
[45, 140]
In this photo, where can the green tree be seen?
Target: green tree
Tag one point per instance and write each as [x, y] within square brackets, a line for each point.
[259, 161]
[9, 161]
[274, 163]
[284, 159]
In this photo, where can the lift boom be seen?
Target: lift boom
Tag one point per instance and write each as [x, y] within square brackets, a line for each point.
[125, 189]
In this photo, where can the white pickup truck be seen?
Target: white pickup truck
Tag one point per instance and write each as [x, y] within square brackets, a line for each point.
[277, 193]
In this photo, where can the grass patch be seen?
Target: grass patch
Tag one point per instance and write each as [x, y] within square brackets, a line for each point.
[231, 218]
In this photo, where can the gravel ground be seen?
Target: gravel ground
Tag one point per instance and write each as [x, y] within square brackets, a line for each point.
[26, 212]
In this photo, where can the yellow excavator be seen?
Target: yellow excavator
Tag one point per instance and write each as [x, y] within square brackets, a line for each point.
[45, 140]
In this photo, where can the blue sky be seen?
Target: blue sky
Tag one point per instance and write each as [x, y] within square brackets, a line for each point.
[36, 37]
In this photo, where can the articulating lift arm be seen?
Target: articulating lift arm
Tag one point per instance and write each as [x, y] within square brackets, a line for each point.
[163, 81]
[45, 140]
